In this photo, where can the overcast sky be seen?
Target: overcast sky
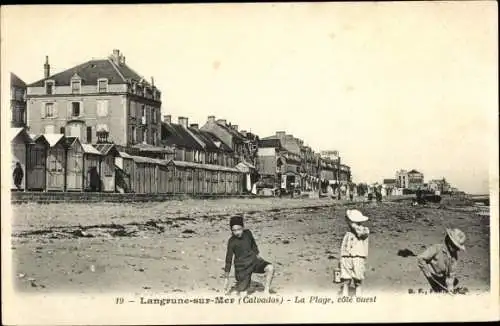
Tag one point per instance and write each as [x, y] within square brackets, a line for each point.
[388, 85]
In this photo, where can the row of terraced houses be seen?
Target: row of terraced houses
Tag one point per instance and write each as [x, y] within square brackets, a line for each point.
[105, 101]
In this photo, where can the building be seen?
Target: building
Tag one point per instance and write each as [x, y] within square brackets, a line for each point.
[191, 144]
[412, 179]
[98, 98]
[17, 102]
[440, 185]
[244, 148]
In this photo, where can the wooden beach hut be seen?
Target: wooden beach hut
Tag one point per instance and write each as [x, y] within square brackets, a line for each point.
[36, 174]
[20, 142]
[74, 164]
[107, 173]
[91, 159]
[56, 162]
[126, 168]
[145, 175]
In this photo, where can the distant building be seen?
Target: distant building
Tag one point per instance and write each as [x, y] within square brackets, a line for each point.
[244, 146]
[194, 145]
[410, 179]
[101, 98]
[17, 102]
[439, 185]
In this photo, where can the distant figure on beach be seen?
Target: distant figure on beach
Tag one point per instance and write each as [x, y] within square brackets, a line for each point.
[247, 261]
[353, 252]
[18, 176]
[438, 262]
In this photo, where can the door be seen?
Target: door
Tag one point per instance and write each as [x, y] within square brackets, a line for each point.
[55, 169]
[74, 176]
[35, 176]
[18, 156]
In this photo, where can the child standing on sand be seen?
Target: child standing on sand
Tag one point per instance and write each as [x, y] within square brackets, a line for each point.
[354, 251]
[247, 261]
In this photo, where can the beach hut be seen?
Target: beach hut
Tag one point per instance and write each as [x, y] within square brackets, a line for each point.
[74, 164]
[20, 142]
[56, 162]
[107, 173]
[126, 168]
[145, 175]
[91, 159]
[36, 174]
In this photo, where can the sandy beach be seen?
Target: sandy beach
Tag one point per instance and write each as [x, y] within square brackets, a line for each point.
[179, 246]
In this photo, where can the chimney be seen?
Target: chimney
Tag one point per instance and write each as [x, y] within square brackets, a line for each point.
[167, 118]
[211, 118]
[116, 56]
[235, 127]
[183, 121]
[280, 134]
[46, 67]
[194, 125]
[152, 82]
[222, 121]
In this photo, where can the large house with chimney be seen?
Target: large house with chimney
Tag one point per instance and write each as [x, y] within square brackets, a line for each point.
[99, 99]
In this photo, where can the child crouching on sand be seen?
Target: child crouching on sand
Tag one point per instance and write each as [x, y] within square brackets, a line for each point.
[354, 251]
[438, 262]
[247, 261]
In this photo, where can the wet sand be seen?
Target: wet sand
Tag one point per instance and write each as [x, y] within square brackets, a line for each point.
[179, 246]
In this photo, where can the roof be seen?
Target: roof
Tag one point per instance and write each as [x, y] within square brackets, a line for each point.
[52, 139]
[91, 71]
[270, 142]
[152, 148]
[15, 81]
[211, 167]
[106, 149]
[219, 143]
[15, 132]
[175, 134]
[389, 181]
[69, 141]
[125, 155]
[414, 171]
[149, 160]
[204, 136]
[231, 131]
[89, 149]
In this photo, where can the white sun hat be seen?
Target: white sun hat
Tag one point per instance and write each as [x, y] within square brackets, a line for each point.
[356, 216]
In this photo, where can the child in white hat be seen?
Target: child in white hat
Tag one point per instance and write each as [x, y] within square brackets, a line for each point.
[354, 251]
[438, 262]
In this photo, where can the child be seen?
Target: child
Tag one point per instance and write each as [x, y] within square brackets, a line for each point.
[438, 262]
[354, 251]
[246, 258]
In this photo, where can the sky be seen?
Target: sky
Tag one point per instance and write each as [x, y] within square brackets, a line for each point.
[389, 85]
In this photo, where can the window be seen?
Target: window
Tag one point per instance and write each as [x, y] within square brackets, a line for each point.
[49, 129]
[62, 130]
[144, 135]
[19, 95]
[49, 87]
[134, 135]
[143, 110]
[75, 109]
[102, 108]
[49, 110]
[89, 135]
[102, 85]
[132, 108]
[153, 115]
[76, 86]
[154, 137]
